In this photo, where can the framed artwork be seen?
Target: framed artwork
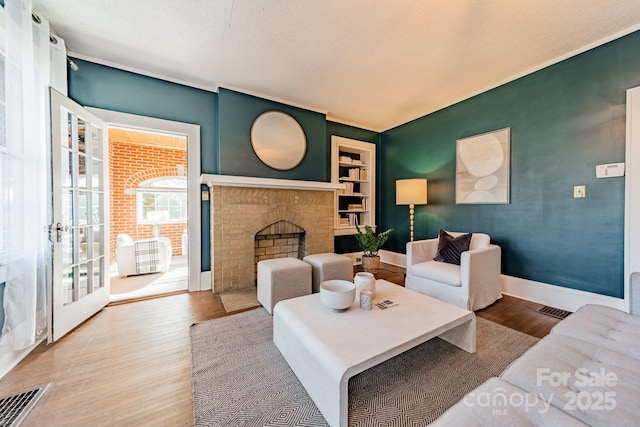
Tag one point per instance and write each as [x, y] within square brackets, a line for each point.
[482, 168]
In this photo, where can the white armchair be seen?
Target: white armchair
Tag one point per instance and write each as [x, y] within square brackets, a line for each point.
[474, 284]
[152, 255]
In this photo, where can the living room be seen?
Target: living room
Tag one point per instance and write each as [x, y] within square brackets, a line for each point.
[566, 115]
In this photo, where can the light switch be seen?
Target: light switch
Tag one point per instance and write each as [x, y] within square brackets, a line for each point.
[205, 195]
[579, 191]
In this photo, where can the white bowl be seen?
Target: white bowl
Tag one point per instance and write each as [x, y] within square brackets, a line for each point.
[338, 295]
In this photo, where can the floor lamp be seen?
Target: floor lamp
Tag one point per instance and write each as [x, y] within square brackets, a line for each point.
[411, 192]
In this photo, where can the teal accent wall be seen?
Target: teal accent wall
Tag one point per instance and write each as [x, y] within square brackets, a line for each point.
[348, 244]
[236, 114]
[225, 120]
[564, 120]
[95, 85]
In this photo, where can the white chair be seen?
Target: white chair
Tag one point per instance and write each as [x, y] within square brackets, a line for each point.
[153, 255]
[474, 284]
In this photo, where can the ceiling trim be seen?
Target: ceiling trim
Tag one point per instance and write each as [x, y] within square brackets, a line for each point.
[556, 60]
[141, 72]
[272, 98]
[330, 117]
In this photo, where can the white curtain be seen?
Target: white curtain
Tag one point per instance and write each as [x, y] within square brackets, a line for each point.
[24, 188]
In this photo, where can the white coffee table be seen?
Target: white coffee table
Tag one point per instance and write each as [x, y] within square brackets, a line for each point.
[324, 348]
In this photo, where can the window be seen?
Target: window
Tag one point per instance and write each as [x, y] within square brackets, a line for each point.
[162, 200]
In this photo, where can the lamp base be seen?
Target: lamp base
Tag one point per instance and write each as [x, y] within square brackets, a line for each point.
[411, 211]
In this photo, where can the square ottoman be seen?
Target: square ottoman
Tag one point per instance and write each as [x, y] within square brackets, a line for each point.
[282, 278]
[329, 266]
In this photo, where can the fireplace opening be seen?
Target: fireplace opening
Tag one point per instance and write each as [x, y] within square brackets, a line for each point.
[279, 240]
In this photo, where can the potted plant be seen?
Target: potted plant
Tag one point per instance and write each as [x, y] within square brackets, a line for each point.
[370, 243]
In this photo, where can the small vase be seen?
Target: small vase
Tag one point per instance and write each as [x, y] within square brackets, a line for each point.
[370, 264]
[365, 282]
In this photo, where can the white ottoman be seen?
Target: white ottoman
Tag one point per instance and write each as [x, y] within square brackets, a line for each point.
[282, 278]
[329, 266]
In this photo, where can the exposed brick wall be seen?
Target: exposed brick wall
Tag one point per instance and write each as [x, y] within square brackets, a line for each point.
[130, 165]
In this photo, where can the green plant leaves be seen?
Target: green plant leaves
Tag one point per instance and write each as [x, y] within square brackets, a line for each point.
[369, 241]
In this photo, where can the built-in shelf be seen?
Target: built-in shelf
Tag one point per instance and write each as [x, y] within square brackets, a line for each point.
[353, 166]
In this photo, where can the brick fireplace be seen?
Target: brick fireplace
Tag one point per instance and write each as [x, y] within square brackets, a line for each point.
[243, 216]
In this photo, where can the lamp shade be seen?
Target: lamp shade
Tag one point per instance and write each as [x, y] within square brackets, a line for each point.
[411, 191]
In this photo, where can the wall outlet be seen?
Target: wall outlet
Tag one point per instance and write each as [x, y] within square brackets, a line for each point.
[358, 259]
[579, 191]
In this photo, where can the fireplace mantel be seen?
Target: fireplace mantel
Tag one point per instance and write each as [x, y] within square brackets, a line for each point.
[253, 182]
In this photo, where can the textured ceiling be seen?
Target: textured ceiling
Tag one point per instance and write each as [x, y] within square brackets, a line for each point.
[371, 63]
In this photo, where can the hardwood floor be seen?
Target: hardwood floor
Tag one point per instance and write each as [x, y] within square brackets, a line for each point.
[515, 313]
[130, 365]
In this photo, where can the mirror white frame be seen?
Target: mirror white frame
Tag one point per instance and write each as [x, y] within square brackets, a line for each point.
[278, 140]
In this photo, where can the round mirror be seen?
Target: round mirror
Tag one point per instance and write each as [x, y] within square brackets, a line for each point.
[278, 140]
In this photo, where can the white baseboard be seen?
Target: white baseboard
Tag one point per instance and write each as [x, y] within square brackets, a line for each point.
[8, 361]
[205, 280]
[555, 296]
[541, 293]
[393, 258]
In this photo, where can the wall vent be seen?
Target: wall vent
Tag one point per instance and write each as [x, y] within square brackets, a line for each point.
[15, 408]
[554, 312]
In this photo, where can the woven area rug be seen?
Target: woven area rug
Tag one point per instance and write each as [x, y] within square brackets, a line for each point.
[240, 378]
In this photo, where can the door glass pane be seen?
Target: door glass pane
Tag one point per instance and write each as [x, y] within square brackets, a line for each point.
[67, 286]
[83, 208]
[83, 284]
[96, 208]
[96, 142]
[67, 248]
[96, 175]
[97, 273]
[98, 244]
[82, 171]
[65, 170]
[67, 208]
[83, 244]
[82, 127]
[68, 123]
[74, 169]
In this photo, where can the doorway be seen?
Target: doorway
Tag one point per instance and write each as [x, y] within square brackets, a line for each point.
[189, 242]
[149, 213]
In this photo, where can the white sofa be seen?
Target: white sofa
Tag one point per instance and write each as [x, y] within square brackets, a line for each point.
[585, 372]
[474, 284]
[131, 262]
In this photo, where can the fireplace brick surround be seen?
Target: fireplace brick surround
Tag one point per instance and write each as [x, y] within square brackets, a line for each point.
[239, 213]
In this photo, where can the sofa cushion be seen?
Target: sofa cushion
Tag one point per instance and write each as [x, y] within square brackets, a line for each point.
[438, 271]
[497, 403]
[598, 386]
[607, 327]
[450, 248]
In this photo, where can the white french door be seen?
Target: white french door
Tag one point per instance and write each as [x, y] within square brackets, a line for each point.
[80, 226]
